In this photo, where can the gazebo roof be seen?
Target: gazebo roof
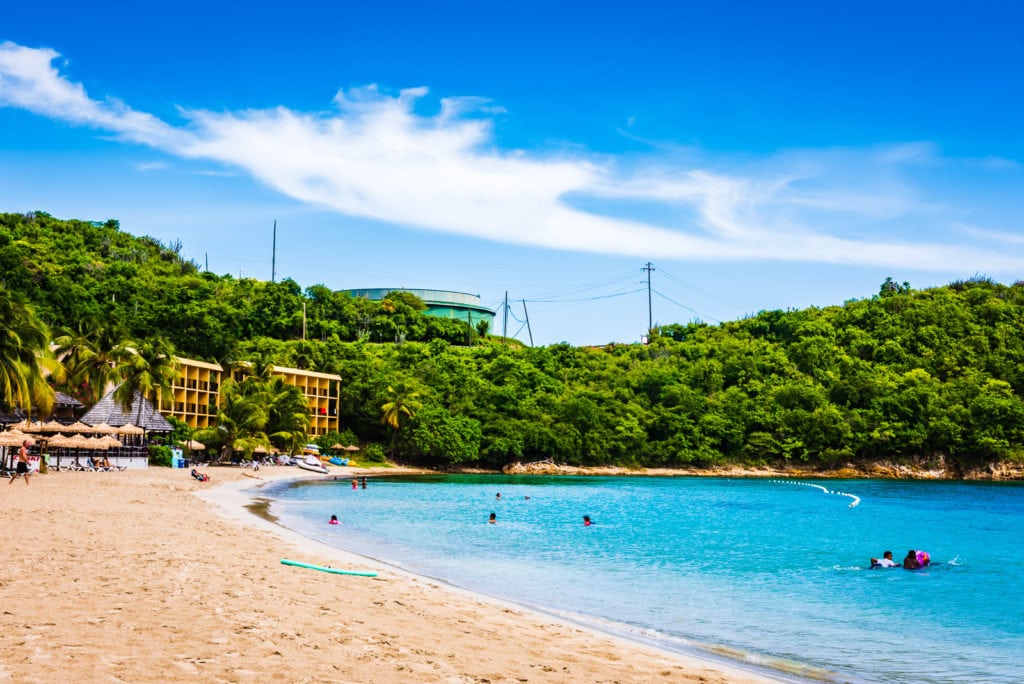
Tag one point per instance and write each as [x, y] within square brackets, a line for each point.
[61, 399]
[106, 410]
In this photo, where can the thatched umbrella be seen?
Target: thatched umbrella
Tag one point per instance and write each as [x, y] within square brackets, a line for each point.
[337, 447]
[351, 447]
[129, 429]
[97, 443]
[111, 441]
[24, 426]
[77, 442]
[13, 438]
[193, 445]
[104, 429]
[59, 442]
[79, 426]
[53, 426]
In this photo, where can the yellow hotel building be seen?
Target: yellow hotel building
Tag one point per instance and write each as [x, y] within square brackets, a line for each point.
[196, 394]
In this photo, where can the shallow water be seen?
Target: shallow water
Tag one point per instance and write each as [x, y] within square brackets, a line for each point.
[766, 568]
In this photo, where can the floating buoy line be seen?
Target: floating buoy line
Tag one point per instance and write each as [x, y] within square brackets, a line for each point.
[856, 499]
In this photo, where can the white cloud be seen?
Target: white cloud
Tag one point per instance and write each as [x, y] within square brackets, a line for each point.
[376, 157]
[993, 235]
[29, 81]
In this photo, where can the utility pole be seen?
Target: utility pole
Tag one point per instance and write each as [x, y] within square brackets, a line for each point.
[504, 323]
[303, 321]
[206, 256]
[650, 317]
[527, 313]
[273, 259]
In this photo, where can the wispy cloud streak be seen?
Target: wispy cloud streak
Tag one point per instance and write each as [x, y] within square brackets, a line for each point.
[376, 157]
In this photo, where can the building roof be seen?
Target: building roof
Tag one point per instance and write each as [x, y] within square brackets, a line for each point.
[108, 411]
[198, 364]
[61, 399]
[285, 370]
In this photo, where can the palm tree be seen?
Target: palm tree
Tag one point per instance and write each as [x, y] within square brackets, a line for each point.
[241, 423]
[403, 403]
[149, 370]
[253, 373]
[24, 356]
[287, 414]
[93, 355]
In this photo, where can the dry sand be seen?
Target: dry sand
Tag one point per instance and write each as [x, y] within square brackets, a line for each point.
[132, 577]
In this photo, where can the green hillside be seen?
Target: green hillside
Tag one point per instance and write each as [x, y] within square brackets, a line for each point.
[905, 375]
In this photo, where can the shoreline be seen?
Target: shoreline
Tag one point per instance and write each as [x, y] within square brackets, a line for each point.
[130, 576]
[1006, 472]
[241, 501]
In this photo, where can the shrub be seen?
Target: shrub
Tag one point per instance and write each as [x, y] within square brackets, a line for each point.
[160, 455]
[372, 453]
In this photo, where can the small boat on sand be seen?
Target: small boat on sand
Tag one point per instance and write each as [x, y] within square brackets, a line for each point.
[312, 463]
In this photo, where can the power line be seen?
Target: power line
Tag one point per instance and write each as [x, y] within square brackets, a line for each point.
[572, 290]
[683, 306]
[706, 293]
[584, 299]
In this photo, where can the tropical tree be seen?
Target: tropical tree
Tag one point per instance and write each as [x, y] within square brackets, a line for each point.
[93, 356]
[24, 356]
[404, 402]
[148, 371]
[287, 414]
[241, 423]
[255, 373]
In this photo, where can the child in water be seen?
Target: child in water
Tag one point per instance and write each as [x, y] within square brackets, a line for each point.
[586, 521]
[334, 520]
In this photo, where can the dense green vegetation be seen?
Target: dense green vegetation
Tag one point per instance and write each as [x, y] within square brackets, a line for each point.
[78, 273]
[903, 375]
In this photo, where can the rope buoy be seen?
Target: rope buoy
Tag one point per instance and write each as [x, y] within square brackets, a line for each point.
[856, 499]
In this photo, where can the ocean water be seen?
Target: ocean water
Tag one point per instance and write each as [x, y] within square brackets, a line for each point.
[769, 572]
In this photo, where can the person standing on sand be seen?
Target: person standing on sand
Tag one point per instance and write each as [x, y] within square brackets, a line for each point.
[22, 467]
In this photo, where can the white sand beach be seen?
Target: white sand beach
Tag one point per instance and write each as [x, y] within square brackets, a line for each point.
[150, 575]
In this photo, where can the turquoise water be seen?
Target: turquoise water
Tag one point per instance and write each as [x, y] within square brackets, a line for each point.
[765, 568]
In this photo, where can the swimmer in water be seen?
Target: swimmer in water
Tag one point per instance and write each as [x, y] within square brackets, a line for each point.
[885, 561]
[910, 562]
[586, 521]
[493, 519]
[334, 520]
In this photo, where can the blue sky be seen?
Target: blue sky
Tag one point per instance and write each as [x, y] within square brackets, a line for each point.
[760, 155]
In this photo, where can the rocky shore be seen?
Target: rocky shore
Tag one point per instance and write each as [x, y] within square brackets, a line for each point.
[941, 469]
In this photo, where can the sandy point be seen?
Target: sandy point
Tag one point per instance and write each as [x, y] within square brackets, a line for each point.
[152, 576]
